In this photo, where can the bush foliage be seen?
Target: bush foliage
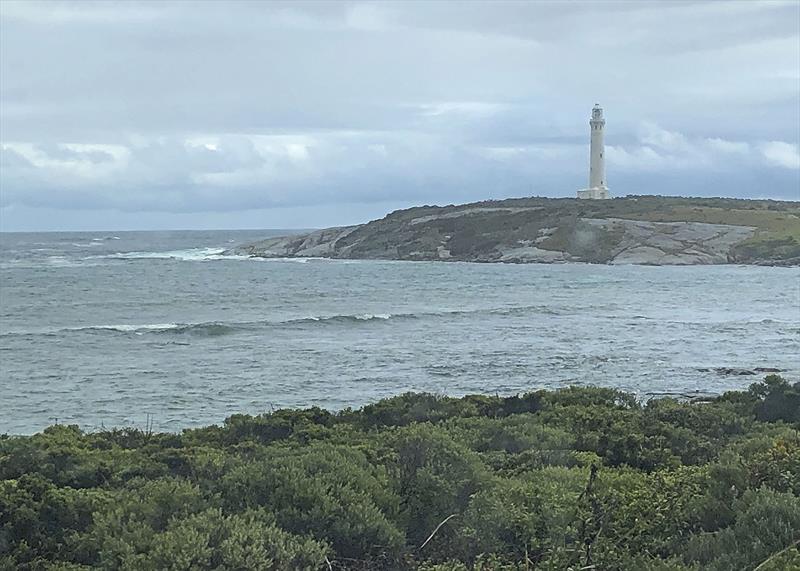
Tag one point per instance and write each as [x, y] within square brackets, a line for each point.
[580, 478]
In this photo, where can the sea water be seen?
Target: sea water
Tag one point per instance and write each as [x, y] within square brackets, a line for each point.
[110, 329]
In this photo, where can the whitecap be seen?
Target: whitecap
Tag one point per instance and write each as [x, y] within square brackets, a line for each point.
[61, 261]
[190, 255]
[293, 260]
[127, 328]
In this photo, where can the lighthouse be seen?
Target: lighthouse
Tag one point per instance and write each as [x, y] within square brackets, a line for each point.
[597, 161]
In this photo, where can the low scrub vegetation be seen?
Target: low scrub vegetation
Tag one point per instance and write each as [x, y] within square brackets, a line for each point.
[579, 478]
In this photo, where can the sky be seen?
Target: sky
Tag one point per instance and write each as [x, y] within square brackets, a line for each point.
[173, 115]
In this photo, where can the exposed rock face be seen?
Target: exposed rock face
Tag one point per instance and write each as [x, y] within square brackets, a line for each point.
[525, 253]
[318, 244]
[621, 231]
[672, 243]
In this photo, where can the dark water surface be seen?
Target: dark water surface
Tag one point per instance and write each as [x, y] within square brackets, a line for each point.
[102, 329]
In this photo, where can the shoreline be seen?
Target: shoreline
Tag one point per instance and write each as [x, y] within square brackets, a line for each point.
[793, 263]
[697, 396]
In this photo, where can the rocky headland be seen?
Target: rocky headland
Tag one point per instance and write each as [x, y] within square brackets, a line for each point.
[632, 230]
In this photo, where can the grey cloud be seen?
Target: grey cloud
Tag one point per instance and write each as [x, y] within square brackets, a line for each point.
[60, 152]
[12, 160]
[238, 173]
[194, 106]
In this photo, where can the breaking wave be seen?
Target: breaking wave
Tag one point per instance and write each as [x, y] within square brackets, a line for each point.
[189, 255]
[209, 329]
[219, 328]
[351, 318]
[199, 255]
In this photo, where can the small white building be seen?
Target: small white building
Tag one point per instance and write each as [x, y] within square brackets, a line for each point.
[597, 161]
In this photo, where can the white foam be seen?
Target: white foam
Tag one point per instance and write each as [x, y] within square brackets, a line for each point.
[205, 254]
[292, 260]
[368, 316]
[60, 262]
[190, 255]
[128, 328]
[334, 318]
[201, 254]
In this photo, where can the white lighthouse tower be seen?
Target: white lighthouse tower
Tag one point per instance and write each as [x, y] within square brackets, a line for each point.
[597, 161]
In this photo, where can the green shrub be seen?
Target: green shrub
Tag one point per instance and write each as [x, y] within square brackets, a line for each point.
[505, 518]
[766, 523]
[331, 493]
[778, 400]
[434, 475]
[558, 480]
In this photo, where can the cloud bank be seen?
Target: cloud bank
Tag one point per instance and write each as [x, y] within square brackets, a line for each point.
[341, 110]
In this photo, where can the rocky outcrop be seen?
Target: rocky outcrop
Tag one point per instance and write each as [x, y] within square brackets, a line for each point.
[739, 372]
[672, 243]
[318, 244]
[621, 231]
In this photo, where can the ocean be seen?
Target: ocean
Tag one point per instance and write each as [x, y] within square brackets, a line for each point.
[113, 329]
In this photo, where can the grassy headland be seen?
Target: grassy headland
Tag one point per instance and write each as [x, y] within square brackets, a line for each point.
[580, 478]
[655, 230]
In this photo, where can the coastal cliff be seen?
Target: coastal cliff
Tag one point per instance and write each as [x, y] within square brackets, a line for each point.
[633, 230]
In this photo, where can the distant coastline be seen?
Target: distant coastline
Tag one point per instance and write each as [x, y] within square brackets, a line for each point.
[649, 230]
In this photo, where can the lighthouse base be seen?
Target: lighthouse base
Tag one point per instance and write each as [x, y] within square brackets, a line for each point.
[594, 193]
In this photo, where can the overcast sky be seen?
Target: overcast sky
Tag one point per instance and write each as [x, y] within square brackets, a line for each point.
[139, 115]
